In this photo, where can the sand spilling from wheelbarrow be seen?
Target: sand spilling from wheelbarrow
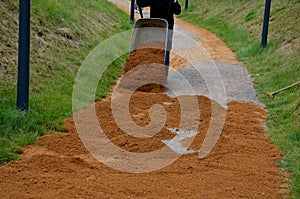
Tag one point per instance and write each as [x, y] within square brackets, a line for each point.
[241, 165]
[146, 64]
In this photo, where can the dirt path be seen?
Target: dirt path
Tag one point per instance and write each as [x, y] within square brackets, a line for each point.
[242, 164]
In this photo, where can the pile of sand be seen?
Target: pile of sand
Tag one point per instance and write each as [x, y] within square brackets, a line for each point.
[145, 67]
[242, 164]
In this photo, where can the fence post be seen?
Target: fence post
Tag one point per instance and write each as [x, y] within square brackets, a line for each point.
[23, 55]
[264, 38]
[186, 4]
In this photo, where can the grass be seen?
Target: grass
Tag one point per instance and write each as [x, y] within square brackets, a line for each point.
[62, 35]
[238, 24]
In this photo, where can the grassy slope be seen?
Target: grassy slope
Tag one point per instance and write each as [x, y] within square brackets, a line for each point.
[239, 24]
[62, 34]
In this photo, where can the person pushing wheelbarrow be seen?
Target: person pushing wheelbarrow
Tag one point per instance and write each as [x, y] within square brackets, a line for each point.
[164, 9]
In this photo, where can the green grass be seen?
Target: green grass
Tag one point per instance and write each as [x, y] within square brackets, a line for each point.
[238, 24]
[55, 60]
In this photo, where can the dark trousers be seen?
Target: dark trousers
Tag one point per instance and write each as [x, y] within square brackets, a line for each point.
[168, 50]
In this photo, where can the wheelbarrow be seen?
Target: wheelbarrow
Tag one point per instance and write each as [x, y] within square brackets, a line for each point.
[148, 33]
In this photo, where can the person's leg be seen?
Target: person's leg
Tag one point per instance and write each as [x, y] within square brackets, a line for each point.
[167, 58]
[168, 50]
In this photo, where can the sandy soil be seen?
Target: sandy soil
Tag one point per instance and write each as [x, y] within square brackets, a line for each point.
[215, 47]
[242, 164]
[145, 65]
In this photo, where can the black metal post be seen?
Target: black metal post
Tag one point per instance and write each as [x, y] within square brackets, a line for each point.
[24, 55]
[264, 38]
[186, 4]
[132, 10]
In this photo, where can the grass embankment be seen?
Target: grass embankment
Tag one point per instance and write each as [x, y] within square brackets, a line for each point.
[62, 34]
[239, 25]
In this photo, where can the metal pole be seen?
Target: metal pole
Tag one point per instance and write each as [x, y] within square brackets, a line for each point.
[132, 10]
[264, 38]
[24, 55]
[186, 4]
